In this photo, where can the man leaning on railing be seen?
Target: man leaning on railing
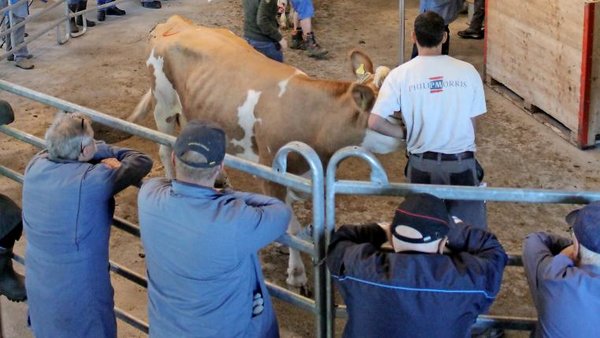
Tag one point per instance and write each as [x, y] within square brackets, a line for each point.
[564, 276]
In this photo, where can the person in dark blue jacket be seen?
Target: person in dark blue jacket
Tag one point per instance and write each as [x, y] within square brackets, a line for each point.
[438, 277]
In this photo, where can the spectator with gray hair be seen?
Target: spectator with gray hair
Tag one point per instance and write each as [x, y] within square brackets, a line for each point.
[68, 205]
[201, 244]
[564, 276]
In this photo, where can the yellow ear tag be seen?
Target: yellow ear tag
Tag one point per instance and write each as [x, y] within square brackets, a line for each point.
[360, 70]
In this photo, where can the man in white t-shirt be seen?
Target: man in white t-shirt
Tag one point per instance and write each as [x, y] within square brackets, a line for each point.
[438, 97]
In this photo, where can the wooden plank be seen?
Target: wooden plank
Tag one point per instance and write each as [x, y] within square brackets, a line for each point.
[534, 49]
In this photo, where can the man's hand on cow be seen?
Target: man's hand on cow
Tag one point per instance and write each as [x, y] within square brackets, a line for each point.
[283, 43]
[112, 163]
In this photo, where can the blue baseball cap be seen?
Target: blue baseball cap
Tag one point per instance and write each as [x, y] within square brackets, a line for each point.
[204, 138]
[586, 225]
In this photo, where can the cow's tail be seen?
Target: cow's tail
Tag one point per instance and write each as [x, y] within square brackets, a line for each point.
[142, 108]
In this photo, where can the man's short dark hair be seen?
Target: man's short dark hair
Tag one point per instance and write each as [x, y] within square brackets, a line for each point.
[429, 29]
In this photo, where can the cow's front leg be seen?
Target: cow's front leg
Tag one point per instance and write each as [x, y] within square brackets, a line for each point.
[296, 272]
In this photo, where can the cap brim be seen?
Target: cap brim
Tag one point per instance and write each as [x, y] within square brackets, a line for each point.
[572, 216]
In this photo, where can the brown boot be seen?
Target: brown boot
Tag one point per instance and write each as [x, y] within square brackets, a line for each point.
[313, 49]
[297, 40]
[12, 284]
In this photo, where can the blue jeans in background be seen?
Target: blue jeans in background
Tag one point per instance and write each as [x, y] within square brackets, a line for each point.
[270, 49]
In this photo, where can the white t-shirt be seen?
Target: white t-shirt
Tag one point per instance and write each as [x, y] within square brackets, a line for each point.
[438, 96]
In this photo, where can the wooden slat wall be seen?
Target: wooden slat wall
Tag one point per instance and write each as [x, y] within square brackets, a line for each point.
[534, 49]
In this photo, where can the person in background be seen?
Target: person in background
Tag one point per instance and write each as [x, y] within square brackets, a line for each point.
[439, 98]
[152, 4]
[201, 245]
[437, 276]
[303, 36]
[564, 276]
[68, 205]
[475, 29]
[261, 29]
[21, 56]
[448, 10]
[112, 10]
[77, 6]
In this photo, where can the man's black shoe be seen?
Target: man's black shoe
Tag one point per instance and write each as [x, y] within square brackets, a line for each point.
[471, 34]
[115, 11]
[152, 4]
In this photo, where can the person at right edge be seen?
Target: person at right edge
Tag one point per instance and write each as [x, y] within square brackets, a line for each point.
[439, 275]
[564, 276]
[439, 98]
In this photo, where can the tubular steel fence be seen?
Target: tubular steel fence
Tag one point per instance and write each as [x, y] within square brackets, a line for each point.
[324, 189]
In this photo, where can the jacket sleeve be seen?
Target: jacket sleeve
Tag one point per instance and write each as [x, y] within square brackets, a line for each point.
[265, 18]
[262, 220]
[346, 238]
[134, 165]
[541, 258]
[481, 255]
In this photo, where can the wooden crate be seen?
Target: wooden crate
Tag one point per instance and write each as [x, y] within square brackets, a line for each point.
[548, 53]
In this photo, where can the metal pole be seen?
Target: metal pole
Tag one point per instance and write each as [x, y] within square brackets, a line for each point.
[401, 14]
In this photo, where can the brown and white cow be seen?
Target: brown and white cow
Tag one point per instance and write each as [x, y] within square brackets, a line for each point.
[211, 74]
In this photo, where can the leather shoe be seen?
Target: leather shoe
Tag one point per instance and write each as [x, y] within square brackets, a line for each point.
[115, 11]
[151, 4]
[101, 15]
[471, 34]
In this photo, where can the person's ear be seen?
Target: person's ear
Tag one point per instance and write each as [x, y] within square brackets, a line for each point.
[445, 37]
[575, 246]
[442, 245]
[413, 36]
[87, 152]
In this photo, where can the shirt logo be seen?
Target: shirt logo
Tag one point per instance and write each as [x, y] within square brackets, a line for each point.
[436, 84]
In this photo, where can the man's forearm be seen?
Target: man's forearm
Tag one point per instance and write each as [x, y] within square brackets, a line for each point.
[383, 126]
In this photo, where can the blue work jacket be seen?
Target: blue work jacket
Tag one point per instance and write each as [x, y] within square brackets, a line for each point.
[67, 212]
[201, 255]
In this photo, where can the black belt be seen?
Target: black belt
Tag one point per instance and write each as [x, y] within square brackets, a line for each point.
[431, 155]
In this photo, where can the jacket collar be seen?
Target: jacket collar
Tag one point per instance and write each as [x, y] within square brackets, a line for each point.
[193, 190]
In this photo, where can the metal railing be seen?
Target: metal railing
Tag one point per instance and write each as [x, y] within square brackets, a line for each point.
[380, 186]
[275, 174]
[323, 198]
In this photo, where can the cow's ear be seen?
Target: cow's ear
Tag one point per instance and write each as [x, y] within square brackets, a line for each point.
[363, 96]
[361, 63]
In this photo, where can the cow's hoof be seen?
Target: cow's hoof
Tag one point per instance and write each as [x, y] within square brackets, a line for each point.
[305, 291]
[296, 277]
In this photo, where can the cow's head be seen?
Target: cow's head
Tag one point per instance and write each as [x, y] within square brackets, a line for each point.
[368, 82]
[362, 68]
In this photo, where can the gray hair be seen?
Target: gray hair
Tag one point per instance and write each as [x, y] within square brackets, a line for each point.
[183, 170]
[588, 257]
[67, 135]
